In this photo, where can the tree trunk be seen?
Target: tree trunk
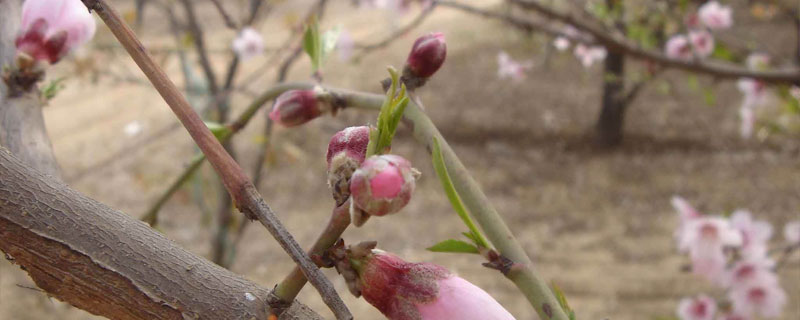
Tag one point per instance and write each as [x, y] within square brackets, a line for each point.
[105, 262]
[610, 123]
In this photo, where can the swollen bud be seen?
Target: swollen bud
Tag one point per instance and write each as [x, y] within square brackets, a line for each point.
[52, 28]
[427, 55]
[405, 290]
[346, 151]
[382, 185]
[296, 107]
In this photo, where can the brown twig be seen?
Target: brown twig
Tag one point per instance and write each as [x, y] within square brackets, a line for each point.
[225, 17]
[365, 49]
[236, 182]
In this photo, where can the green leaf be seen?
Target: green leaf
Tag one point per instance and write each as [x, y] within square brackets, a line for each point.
[471, 236]
[722, 52]
[312, 44]
[389, 117]
[50, 90]
[452, 194]
[220, 131]
[562, 300]
[455, 246]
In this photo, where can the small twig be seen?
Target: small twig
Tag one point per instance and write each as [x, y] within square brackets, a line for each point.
[785, 254]
[237, 183]
[397, 34]
[225, 17]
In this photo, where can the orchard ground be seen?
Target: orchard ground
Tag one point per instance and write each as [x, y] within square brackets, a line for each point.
[597, 223]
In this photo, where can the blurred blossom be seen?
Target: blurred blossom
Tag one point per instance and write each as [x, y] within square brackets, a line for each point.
[702, 42]
[678, 47]
[747, 117]
[561, 43]
[750, 270]
[248, 44]
[791, 232]
[715, 16]
[344, 45]
[686, 213]
[758, 61]
[52, 28]
[764, 298]
[755, 233]
[705, 238]
[133, 128]
[754, 92]
[700, 308]
[589, 55]
[508, 68]
[732, 316]
[795, 92]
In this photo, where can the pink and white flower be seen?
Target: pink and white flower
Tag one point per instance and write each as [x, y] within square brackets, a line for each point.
[758, 61]
[791, 232]
[52, 28]
[508, 68]
[755, 233]
[715, 16]
[701, 307]
[750, 270]
[678, 47]
[705, 239]
[702, 42]
[561, 43]
[686, 213]
[758, 297]
[589, 55]
[383, 184]
[402, 290]
[248, 44]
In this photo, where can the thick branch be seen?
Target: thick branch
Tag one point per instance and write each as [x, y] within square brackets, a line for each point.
[236, 182]
[105, 262]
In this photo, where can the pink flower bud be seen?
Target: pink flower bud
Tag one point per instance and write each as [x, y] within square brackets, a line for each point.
[52, 28]
[427, 55]
[383, 184]
[404, 290]
[678, 47]
[295, 107]
[702, 42]
[715, 16]
[346, 152]
[701, 308]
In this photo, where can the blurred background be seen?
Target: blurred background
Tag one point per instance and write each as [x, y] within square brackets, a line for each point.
[596, 221]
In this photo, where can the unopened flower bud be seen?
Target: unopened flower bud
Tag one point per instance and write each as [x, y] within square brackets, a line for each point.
[52, 28]
[404, 290]
[346, 151]
[383, 184]
[296, 107]
[427, 55]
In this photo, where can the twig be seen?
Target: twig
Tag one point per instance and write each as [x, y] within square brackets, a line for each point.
[625, 46]
[242, 190]
[225, 17]
[365, 49]
[199, 43]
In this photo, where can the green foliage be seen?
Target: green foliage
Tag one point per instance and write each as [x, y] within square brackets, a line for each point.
[722, 52]
[447, 184]
[454, 246]
[50, 90]
[319, 45]
[380, 138]
[709, 97]
[220, 131]
[562, 300]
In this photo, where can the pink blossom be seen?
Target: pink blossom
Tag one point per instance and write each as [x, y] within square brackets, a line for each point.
[701, 307]
[705, 239]
[678, 47]
[508, 68]
[791, 232]
[702, 42]
[754, 91]
[757, 61]
[685, 213]
[715, 16]
[755, 233]
[750, 270]
[346, 152]
[764, 298]
[795, 92]
[383, 184]
[561, 43]
[248, 44]
[296, 107]
[747, 117]
[402, 290]
[589, 55]
[52, 28]
[344, 45]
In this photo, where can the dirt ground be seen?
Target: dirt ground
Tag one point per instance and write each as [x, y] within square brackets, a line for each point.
[597, 223]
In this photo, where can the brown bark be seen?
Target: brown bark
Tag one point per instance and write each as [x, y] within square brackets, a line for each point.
[105, 262]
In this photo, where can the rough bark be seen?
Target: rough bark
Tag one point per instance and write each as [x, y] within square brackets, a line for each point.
[105, 262]
[22, 127]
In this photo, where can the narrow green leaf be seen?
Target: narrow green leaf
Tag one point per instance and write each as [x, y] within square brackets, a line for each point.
[455, 246]
[452, 194]
[562, 300]
[471, 236]
[312, 44]
[51, 89]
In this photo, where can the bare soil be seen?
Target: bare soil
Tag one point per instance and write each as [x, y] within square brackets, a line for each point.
[596, 222]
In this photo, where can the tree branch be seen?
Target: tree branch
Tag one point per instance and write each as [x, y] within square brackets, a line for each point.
[105, 262]
[620, 44]
[236, 182]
